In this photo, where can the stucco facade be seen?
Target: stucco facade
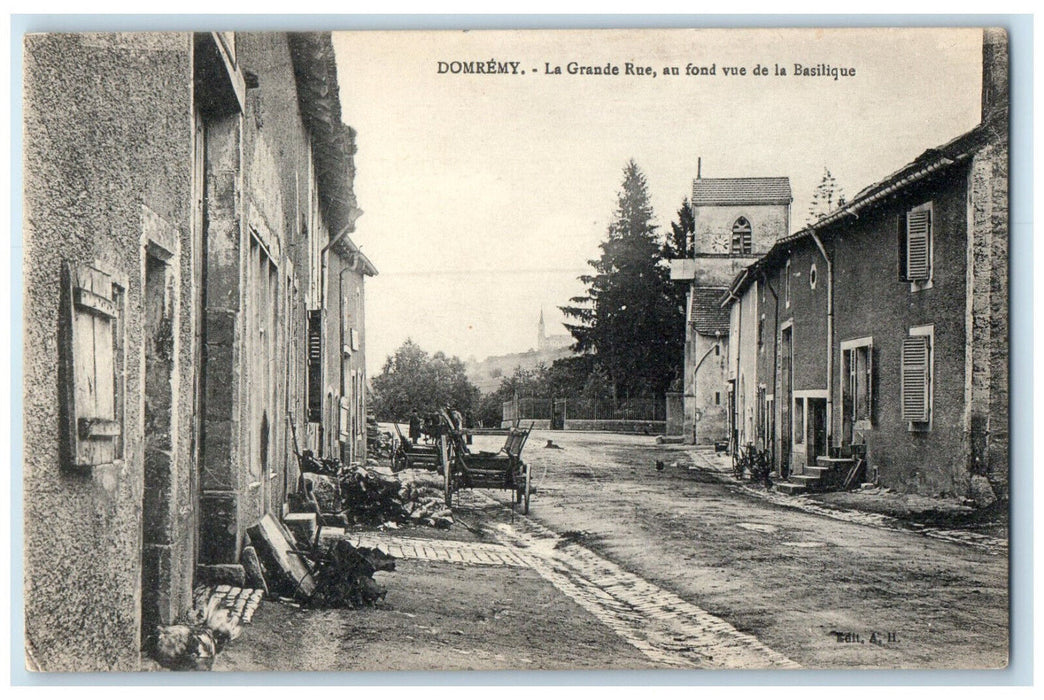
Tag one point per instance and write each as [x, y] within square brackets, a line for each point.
[890, 337]
[169, 239]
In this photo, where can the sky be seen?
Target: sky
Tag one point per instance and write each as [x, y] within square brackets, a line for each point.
[484, 196]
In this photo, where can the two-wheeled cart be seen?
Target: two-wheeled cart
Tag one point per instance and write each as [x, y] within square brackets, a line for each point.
[463, 469]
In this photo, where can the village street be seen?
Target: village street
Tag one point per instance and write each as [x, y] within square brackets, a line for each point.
[622, 565]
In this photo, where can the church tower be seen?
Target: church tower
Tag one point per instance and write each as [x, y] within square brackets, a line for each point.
[541, 333]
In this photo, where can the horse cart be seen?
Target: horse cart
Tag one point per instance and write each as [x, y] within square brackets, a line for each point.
[463, 469]
[407, 455]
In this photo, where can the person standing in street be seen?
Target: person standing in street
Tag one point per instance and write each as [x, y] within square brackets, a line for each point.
[415, 426]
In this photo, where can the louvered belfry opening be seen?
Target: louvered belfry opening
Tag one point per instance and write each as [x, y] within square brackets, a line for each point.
[741, 237]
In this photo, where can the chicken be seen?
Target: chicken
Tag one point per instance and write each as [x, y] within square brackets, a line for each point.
[184, 648]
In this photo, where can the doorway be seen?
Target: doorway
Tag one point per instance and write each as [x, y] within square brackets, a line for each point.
[786, 347]
[816, 427]
[159, 463]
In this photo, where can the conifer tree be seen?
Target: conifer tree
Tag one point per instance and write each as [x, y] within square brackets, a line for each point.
[628, 319]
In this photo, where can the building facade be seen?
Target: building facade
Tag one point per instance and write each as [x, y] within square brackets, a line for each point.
[736, 220]
[883, 326]
[188, 198]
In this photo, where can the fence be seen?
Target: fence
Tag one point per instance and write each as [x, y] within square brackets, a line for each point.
[578, 414]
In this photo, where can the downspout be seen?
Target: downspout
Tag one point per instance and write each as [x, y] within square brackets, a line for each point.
[829, 342]
[775, 352]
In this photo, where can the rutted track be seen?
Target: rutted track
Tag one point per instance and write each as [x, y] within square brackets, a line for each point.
[663, 626]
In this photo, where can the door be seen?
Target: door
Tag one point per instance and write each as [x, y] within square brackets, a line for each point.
[816, 421]
[787, 399]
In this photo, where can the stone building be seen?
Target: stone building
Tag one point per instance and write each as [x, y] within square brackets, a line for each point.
[882, 328]
[736, 221]
[188, 202]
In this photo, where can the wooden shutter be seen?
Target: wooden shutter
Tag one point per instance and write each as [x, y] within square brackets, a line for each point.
[315, 366]
[870, 383]
[89, 358]
[916, 379]
[918, 245]
[901, 248]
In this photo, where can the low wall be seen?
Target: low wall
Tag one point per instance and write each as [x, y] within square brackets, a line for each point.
[646, 427]
[538, 423]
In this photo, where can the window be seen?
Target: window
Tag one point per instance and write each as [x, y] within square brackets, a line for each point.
[741, 237]
[917, 370]
[915, 230]
[813, 276]
[717, 398]
[786, 285]
[857, 384]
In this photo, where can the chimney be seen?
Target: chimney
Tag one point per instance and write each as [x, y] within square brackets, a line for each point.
[699, 167]
[994, 70]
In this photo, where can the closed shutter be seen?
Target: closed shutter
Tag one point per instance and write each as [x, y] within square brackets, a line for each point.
[916, 378]
[315, 366]
[918, 245]
[89, 348]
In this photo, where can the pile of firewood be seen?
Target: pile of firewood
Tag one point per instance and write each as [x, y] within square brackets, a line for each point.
[357, 495]
[344, 578]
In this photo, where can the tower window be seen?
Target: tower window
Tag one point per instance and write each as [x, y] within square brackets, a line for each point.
[741, 237]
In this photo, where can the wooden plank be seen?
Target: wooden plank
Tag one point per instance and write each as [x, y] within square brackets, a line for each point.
[88, 301]
[104, 364]
[272, 541]
[91, 428]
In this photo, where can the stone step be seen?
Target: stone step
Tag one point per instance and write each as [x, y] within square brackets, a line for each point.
[791, 488]
[832, 462]
[806, 478]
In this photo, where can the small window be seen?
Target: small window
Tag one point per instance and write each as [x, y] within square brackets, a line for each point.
[917, 370]
[761, 333]
[741, 237]
[717, 349]
[813, 276]
[717, 398]
[786, 285]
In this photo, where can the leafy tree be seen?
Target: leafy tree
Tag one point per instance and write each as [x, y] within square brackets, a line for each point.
[628, 318]
[413, 379]
[827, 196]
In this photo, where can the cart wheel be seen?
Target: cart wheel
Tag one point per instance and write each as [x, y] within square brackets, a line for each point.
[447, 470]
[522, 496]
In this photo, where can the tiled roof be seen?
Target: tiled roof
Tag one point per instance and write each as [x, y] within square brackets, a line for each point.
[741, 190]
[932, 161]
[707, 315]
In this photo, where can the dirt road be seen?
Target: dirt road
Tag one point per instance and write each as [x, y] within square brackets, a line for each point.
[822, 592]
[622, 565]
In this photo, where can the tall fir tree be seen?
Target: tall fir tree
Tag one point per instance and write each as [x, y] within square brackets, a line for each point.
[628, 319]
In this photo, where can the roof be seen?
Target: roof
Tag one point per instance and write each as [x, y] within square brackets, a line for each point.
[741, 190]
[707, 315]
[932, 161]
[333, 142]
